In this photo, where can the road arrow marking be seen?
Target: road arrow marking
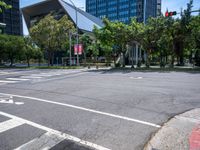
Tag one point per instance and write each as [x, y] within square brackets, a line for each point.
[9, 100]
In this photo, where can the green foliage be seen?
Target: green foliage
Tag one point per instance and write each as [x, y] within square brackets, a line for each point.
[166, 40]
[4, 6]
[18, 48]
[52, 35]
[11, 47]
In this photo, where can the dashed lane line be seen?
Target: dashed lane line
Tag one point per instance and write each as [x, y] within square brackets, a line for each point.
[31, 77]
[86, 109]
[6, 81]
[17, 79]
[53, 133]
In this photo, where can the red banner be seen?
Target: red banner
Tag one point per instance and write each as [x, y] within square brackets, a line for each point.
[78, 48]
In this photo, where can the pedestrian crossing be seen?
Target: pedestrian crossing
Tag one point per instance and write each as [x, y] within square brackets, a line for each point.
[47, 140]
[36, 76]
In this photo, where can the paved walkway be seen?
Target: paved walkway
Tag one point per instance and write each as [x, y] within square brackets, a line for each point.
[181, 132]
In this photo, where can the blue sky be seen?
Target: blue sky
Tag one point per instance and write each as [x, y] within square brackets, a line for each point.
[174, 5]
[171, 5]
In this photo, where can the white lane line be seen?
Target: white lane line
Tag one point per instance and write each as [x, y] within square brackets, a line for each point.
[86, 109]
[41, 75]
[136, 77]
[7, 125]
[17, 79]
[30, 77]
[46, 141]
[5, 81]
[55, 132]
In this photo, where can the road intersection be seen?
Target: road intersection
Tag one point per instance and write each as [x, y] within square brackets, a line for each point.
[91, 109]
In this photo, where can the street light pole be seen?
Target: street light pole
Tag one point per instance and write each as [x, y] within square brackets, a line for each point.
[145, 7]
[70, 48]
[77, 40]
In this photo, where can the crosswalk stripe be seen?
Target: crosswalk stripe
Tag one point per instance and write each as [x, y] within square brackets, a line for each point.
[46, 141]
[17, 79]
[7, 125]
[5, 81]
[41, 75]
[30, 77]
[56, 133]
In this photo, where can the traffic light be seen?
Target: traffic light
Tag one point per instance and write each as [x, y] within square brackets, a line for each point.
[169, 14]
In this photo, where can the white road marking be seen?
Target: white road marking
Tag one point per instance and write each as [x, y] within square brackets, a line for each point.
[9, 124]
[46, 141]
[9, 100]
[19, 103]
[4, 73]
[41, 75]
[5, 81]
[17, 79]
[86, 109]
[30, 77]
[136, 77]
[53, 132]
[2, 101]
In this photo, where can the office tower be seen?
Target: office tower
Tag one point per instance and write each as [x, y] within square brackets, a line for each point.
[124, 10]
[12, 18]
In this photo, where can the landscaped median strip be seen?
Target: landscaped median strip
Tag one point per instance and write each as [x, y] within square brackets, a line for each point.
[85, 109]
[47, 140]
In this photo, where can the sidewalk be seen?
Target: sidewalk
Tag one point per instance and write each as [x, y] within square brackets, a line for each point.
[180, 133]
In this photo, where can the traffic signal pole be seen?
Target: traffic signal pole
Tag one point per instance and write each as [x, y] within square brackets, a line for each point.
[173, 13]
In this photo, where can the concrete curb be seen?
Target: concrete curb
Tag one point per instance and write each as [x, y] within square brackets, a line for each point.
[178, 133]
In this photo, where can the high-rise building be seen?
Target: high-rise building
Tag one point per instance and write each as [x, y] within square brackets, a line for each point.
[12, 18]
[124, 10]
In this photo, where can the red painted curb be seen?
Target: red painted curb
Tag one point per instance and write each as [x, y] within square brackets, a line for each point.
[194, 139]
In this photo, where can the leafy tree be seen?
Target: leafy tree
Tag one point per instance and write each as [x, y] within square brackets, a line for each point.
[135, 33]
[38, 54]
[4, 6]
[86, 40]
[13, 47]
[51, 35]
[194, 38]
[30, 50]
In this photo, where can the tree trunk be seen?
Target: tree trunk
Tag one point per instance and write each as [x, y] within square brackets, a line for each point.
[114, 60]
[39, 62]
[28, 62]
[124, 57]
[11, 61]
[52, 58]
[172, 62]
[49, 58]
[148, 60]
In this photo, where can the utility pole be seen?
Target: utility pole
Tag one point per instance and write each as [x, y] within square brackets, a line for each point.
[70, 48]
[145, 7]
[77, 40]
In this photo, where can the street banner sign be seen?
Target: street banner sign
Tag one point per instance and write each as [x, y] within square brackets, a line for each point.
[78, 48]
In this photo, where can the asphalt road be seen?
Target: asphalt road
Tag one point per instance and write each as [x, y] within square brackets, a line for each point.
[77, 109]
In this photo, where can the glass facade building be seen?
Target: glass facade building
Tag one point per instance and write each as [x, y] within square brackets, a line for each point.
[12, 18]
[58, 8]
[124, 10]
